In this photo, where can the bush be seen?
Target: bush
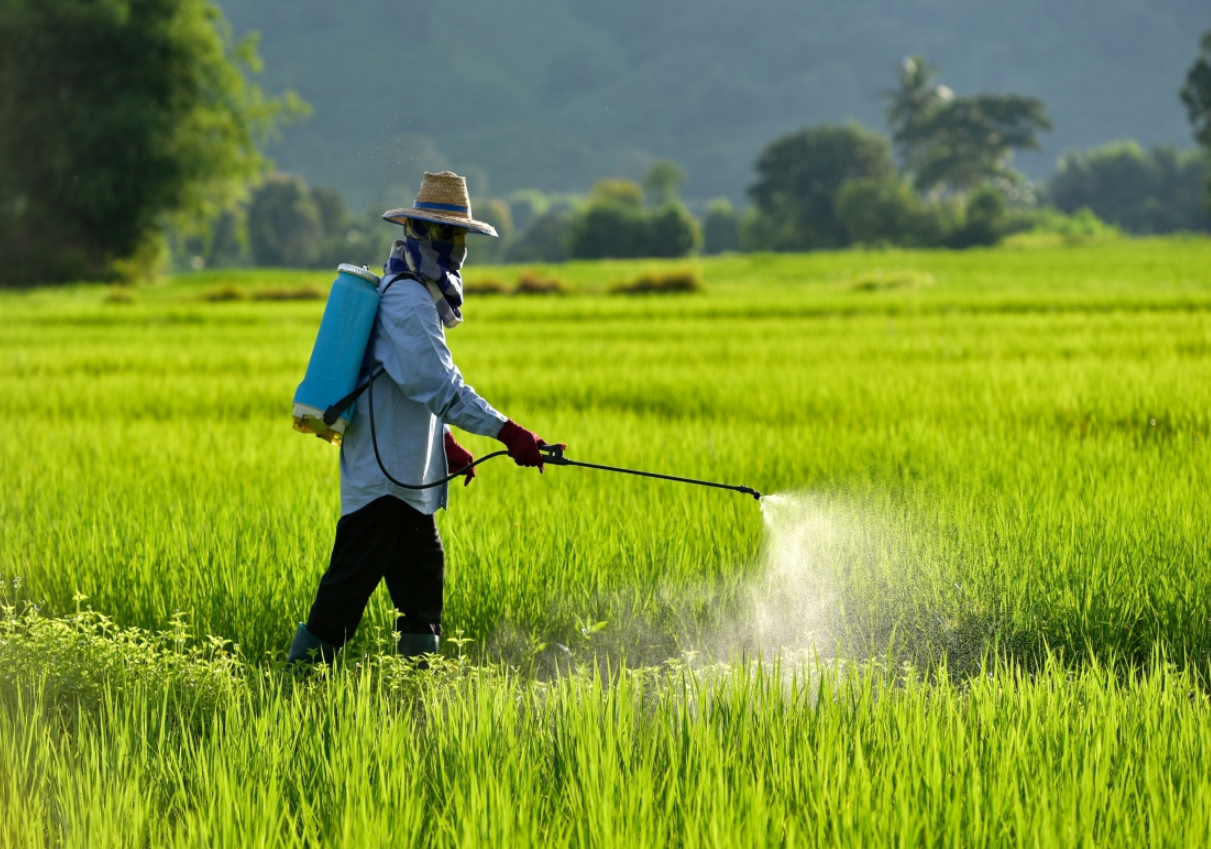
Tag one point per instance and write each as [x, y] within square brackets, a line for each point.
[291, 225]
[671, 283]
[720, 228]
[1049, 226]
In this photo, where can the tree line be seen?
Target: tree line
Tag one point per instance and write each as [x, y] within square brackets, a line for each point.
[131, 132]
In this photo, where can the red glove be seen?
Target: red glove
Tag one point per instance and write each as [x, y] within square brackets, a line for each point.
[523, 445]
[457, 458]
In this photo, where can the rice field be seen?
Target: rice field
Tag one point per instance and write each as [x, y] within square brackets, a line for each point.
[973, 612]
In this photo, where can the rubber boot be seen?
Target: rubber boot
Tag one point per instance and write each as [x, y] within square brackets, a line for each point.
[306, 647]
[415, 645]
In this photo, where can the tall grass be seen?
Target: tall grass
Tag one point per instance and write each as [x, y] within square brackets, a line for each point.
[1003, 473]
[749, 756]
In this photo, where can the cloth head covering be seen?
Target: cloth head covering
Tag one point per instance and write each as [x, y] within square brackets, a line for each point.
[434, 255]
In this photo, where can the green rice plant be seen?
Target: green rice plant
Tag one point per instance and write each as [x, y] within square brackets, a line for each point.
[977, 598]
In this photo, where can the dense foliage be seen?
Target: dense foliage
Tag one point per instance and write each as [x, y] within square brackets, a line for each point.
[958, 143]
[1141, 191]
[116, 116]
[614, 223]
[798, 177]
[1196, 95]
[720, 227]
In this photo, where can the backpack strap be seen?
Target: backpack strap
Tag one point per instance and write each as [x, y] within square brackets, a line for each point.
[405, 275]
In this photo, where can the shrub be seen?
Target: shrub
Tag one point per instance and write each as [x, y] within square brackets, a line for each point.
[118, 296]
[73, 662]
[670, 283]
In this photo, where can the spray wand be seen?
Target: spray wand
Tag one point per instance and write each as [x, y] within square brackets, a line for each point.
[552, 454]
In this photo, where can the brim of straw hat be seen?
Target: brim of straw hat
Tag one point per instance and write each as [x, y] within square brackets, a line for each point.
[437, 216]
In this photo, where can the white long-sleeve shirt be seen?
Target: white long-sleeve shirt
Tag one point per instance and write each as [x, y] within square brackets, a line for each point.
[421, 392]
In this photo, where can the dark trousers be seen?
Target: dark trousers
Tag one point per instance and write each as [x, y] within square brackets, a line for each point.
[385, 539]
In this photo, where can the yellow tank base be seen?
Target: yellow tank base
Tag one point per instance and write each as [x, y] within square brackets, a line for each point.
[310, 420]
[306, 424]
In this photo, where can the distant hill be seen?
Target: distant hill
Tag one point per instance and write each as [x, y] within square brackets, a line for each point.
[551, 95]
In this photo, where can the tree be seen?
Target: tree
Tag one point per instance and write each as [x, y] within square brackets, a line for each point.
[986, 220]
[958, 143]
[720, 228]
[876, 211]
[798, 176]
[1153, 191]
[285, 226]
[672, 232]
[914, 99]
[615, 225]
[663, 180]
[1196, 95]
[967, 141]
[118, 117]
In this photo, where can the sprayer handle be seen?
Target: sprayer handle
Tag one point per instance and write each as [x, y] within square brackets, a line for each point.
[553, 454]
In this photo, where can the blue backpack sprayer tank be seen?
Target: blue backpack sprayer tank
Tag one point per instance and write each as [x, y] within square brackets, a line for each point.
[337, 356]
[324, 401]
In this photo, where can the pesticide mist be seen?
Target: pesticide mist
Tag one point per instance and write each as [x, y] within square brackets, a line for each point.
[792, 609]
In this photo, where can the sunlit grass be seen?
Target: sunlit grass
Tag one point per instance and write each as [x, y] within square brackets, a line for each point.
[1006, 460]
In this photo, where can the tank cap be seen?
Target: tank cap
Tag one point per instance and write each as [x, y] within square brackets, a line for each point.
[357, 271]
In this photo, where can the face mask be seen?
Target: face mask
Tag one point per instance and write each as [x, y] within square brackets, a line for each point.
[434, 254]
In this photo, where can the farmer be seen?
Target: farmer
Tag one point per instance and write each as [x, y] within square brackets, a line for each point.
[386, 531]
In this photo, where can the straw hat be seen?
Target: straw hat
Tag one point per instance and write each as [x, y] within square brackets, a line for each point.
[442, 199]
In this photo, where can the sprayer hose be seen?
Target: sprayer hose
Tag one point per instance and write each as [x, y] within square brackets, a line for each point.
[383, 468]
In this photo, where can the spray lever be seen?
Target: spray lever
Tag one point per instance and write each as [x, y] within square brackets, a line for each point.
[553, 454]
